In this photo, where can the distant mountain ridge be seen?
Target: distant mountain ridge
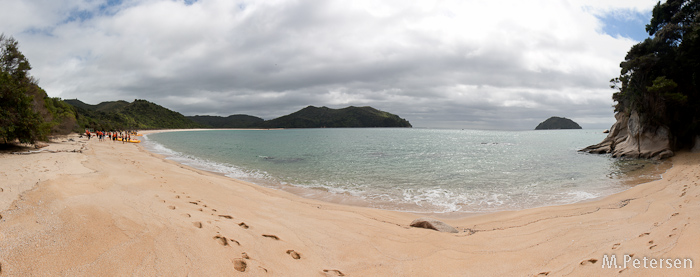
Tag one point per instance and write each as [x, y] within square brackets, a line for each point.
[324, 117]
[141, 114]
[310, 117]
[231, 121]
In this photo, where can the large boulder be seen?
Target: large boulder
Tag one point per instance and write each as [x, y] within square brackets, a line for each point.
[429, 223]
[629, 138]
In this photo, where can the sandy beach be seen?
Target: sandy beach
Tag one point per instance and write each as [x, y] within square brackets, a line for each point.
[90, 208]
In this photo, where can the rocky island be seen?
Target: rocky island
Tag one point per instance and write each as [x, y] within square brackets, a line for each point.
[554, 123]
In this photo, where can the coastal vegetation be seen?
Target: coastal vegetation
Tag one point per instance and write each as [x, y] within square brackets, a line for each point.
[658, 89]
[27, 114]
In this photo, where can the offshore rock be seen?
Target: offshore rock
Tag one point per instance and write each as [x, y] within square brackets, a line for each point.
[556, 123]
[629, 138]
[429, 223]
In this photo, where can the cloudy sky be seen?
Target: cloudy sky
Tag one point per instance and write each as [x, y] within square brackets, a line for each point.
[491, 64]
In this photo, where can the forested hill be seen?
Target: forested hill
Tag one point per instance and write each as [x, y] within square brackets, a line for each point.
[323, 117]
[140, 114]
[658, 90]
[232, 121]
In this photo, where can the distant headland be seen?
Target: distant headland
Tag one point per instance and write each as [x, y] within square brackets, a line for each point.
[142, 114]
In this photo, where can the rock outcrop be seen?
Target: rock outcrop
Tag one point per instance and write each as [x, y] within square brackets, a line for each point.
[629, 138]
[429, 223]
[556, 123]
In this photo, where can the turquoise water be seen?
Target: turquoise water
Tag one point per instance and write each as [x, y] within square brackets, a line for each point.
[418, 170]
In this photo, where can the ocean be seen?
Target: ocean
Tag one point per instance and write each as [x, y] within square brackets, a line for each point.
[413, 170]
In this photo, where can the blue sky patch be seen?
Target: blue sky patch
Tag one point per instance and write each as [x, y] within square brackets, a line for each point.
[626, 23]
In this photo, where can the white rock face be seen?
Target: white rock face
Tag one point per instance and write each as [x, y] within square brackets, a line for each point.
[628, 138]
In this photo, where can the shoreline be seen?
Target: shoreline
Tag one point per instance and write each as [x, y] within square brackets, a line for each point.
[117, 209]
[633, 177]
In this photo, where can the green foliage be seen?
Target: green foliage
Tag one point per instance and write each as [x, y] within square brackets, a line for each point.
[18, 120]
[667, 89]
[62, 118]
[659, 77]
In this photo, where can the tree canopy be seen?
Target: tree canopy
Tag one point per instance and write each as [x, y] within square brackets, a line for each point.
[18, 119]
[659, 77]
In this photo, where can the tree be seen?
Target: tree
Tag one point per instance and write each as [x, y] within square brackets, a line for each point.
[18, 120]
[660, 77]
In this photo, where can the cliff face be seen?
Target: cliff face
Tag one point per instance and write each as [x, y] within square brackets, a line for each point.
[629, 138]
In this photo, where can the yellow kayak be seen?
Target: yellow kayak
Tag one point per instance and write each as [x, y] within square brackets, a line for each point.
[131, 140]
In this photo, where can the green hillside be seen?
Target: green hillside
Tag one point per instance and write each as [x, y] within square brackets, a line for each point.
[232, 121]
[324, 117]
[119, 115]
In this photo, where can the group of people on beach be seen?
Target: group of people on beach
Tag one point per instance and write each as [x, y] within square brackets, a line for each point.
[124, 136]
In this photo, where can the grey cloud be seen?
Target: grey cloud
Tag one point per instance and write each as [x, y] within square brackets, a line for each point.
[224, 57]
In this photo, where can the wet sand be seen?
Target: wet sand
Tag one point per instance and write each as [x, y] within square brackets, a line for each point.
[116, 209]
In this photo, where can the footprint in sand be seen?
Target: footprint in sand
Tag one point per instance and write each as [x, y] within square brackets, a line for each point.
[589, 261]
[235, 241]
[240, 265]
[171, 207]
[294, 254]
[652, 247]
[644, 234]
[616, 246]
[333, 272]
[244, 255]
[197, 224]
[226, 216]
[243, 225]
[543, 273]
[222, 240]
[271, 236]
